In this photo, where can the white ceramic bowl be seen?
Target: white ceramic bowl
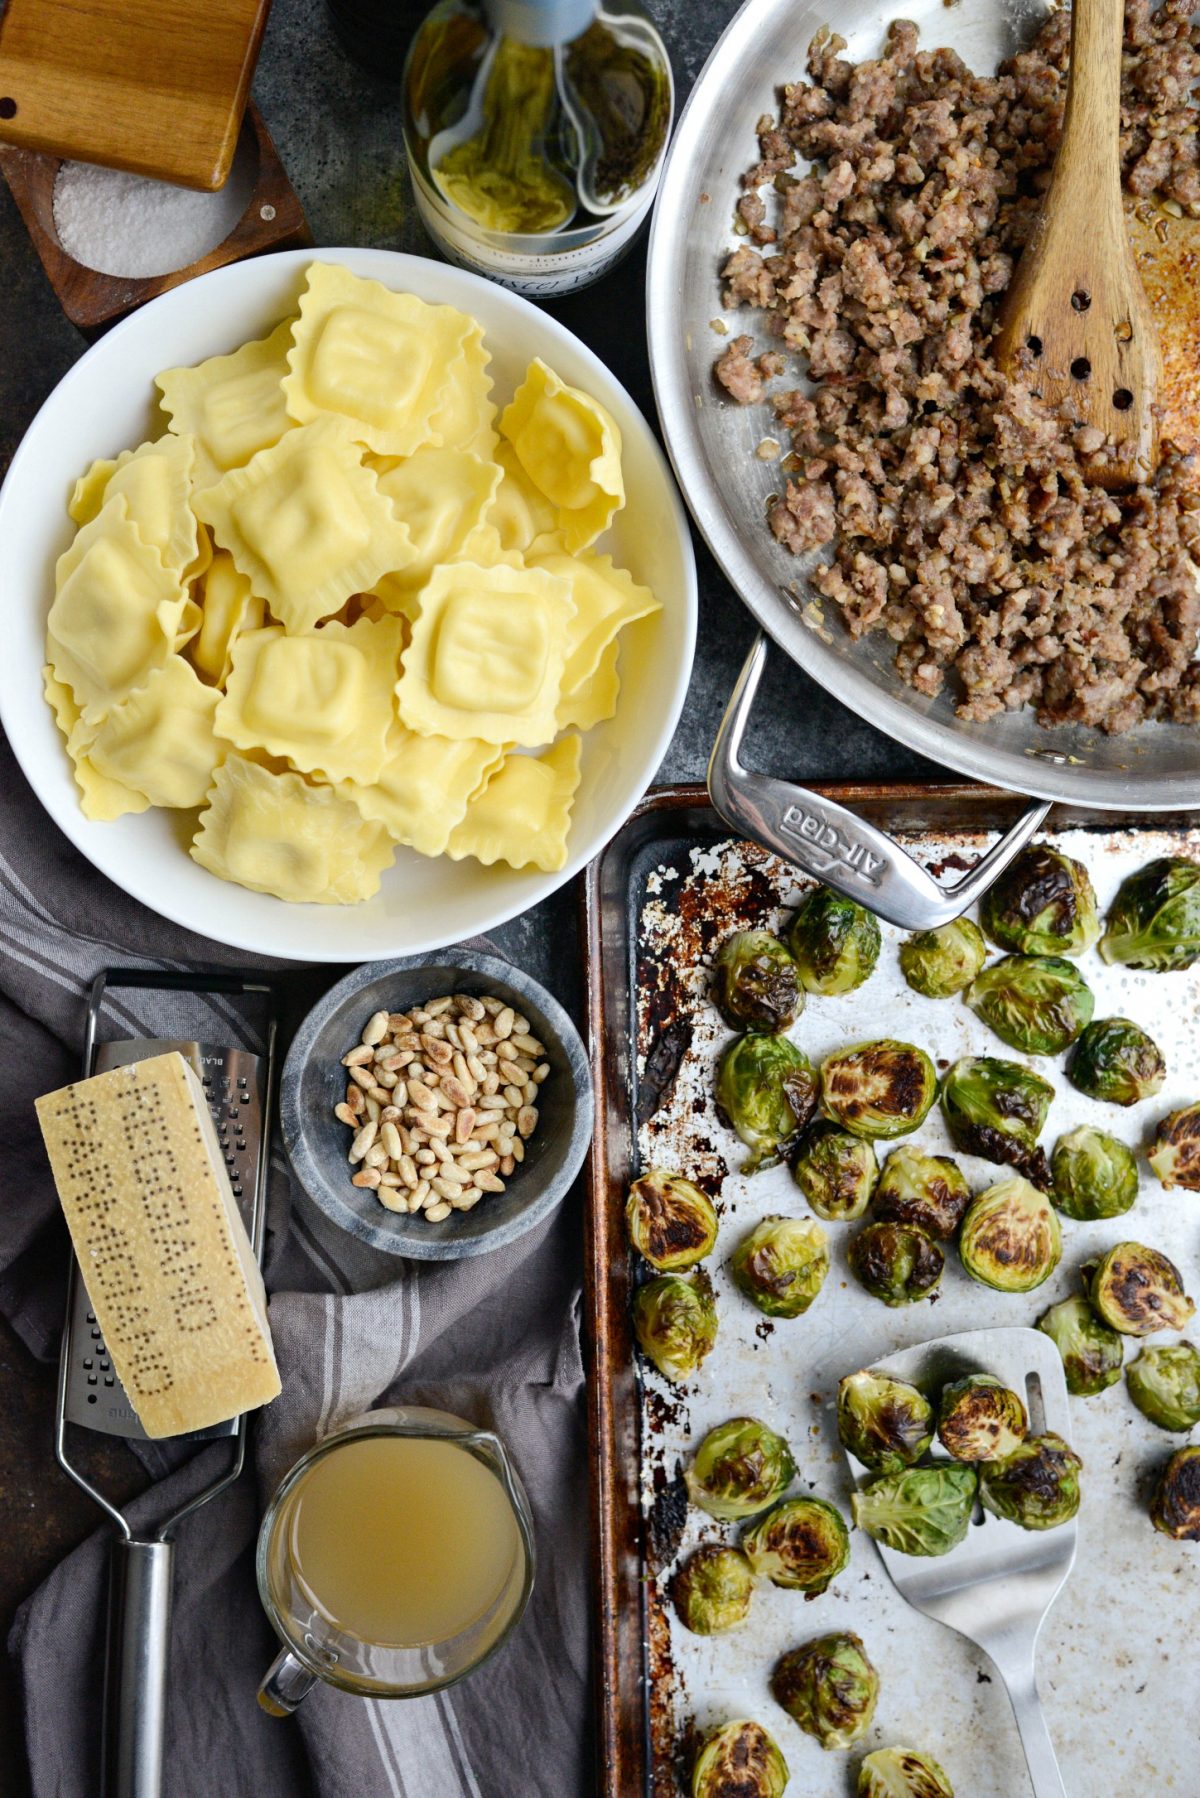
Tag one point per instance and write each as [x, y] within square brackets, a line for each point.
[107, 403]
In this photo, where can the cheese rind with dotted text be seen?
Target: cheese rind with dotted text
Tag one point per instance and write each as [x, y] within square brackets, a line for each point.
[164, 1253]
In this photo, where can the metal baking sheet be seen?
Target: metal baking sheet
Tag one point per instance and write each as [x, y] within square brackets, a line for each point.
[1118, 1678]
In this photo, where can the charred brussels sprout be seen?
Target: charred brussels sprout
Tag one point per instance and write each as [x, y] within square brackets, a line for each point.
[739, 1760]
[896, 1262]
[1035, 1003]
[829, 1688]
[879, 1089]
[1164, 1384]
[675, 1322]
[836, 1172]
[1094, 1175]
[1116, 1061]
[1011, 1238]
[1154, 921]
[885, 1423]
[1175, 1156]
[902, 1773]
[921, 1511]
[802, 1544]
[980, 1419]
[1037, 1486]
[1175, 1509]
[1138, 1291]
[781, 1264]
[997, 1109]
[1092, 1351]
[767, 1090]
[929, 1191]
[713, 1589]
[939, 963]
[1042, 904]
[670, 1221]
[739, 1469]
[834, 941]
[755, 983]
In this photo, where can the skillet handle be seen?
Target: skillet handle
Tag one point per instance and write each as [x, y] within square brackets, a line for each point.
[830, 843]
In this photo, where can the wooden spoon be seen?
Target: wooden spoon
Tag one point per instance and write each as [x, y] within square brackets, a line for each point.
[1076, 319]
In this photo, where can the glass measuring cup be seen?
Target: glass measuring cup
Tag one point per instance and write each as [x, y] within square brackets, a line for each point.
[394, 1558]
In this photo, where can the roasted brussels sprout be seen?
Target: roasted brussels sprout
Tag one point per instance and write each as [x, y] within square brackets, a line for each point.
[835, 942]
[902, 1773]
[781, 1264]
[1138, 1291]
[1011, 1238]
[896, 1262]
[675, 1322]
[887, 1424]
[1154, 921]
[1092, 1351]
[1116, 1061]
[929, 1191]
[1035, 1003]
[829, 1688]
[836, 1172]
[879, 1089]
[670, 1221]
[755, 983]
[1037, 1486]
[1042, 904]
[997, 1109]
[980, 1419]
[920, 1511]
[939, 963]
[739, 1760]
[1175, 1509]
[713, 1589]
[1094, 1175]
[767, 1090]
[1164, 1384]
[1175, 1156]
[801, 1543]
[739, 1469]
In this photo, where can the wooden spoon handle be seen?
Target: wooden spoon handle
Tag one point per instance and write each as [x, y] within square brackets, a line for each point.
[1089, 158]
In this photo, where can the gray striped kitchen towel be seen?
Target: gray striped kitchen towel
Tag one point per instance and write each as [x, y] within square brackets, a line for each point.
[494, 1339]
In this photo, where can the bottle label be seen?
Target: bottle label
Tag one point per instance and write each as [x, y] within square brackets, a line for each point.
[558, 272]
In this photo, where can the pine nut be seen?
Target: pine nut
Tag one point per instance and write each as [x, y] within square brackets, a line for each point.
[406, 1169]
[440, 1054]
[488, 1182]
[420, 1095]
[446, 1188]
[491, 1005]
[376, 1029]
[442, 1151]
[397, 1021]
[505, 1051]
[470, 1199]
[527, 1119]
[530, 1093]
[390, 1113]
[475, 1067]
[425, 1158]
[386, 1080]
[436, 1213]
[491, 1102]
[356, 1098]
[514, 1096]
[420, 1195]
[436, 1007]
[366, 1176]
[472, 1162]
[505, 1019]
[491, 1082]
[518, 1149]
[507, 1165]
[439, 1125]
[388, 1178]
[344, 1115]
[376, 1157]
[541, 1072]
[468, 1039]
[528, 1045]
[357, 1057]
[392, 1199]
[470, 1007]
[363, 1077]
[464, 1123]
[373, 1108]
[454, 1091]
[362, 1142]
[390, 1137]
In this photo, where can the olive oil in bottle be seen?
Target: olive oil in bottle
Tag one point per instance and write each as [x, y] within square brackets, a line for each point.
[535, 132]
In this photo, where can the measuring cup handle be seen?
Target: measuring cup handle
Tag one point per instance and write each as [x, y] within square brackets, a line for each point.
[135, 1668]
[832, 844]
[286, 1683]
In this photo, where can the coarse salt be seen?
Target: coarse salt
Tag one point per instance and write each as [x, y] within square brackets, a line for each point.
[127, 225]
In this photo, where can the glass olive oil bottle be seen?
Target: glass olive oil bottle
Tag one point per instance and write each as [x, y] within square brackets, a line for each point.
[535, 132]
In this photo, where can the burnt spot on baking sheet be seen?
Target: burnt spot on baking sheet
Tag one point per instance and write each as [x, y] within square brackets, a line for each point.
[667, 1518]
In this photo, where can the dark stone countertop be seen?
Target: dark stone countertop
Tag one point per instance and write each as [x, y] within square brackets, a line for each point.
[338, 132]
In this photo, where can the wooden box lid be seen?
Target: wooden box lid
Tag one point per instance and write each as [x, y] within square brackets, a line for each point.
[154, 86]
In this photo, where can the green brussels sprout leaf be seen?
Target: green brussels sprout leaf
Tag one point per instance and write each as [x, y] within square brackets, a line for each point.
[1164, 1384]
[1035, 1003]
[767, 1091]
[739, 1469]
[829, 1687]
[675, 1322]
[939, 963]
[1092, 1351]
[836, 1172]
[834, 941]
[902, 1773]
[1116, 1061]
[1175, 1156]
[997, 1109]
[885, 1423]
[1094, 1175]
[919, 1511]
[1137, 1290]
[1154, 921]
[739, 1760]
[1042, 904]
[1175, 1508]
[781, 1264]
[713, 1589]
[980, 1419]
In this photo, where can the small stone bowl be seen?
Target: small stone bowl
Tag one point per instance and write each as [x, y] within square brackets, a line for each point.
[314, 1081]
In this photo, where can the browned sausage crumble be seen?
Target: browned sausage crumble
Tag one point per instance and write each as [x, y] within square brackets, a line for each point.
[959, 514]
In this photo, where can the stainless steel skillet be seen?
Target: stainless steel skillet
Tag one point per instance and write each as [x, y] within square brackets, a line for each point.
[711, 443]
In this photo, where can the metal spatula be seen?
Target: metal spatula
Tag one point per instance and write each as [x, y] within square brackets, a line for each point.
[998, 1585]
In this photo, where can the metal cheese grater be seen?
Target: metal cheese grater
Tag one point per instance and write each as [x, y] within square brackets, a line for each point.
[240, 1089]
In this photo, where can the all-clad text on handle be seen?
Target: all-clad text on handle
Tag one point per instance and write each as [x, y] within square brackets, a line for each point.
[831, 843]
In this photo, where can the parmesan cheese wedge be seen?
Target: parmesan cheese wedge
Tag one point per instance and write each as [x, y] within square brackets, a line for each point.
[163, 1250]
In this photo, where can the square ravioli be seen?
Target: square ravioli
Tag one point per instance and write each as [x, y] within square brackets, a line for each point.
[276, 833]
[570, 448]
[425, 787]
[232, 405]
[522, 517]
[325, 700]
[442, 496]
[606, 599]
[101, 799]
[487, 654]
[116, 611]
[523, 814]
[594, 698]
[383, 362]
[306, 524]
[227, 607]
[465, 418]
[156, 480]
[160, 741]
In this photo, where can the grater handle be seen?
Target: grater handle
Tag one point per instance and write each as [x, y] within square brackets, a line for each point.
[135, 1670]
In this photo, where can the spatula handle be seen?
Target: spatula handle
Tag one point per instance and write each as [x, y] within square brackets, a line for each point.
[135, 1672]
[1040, 1757]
